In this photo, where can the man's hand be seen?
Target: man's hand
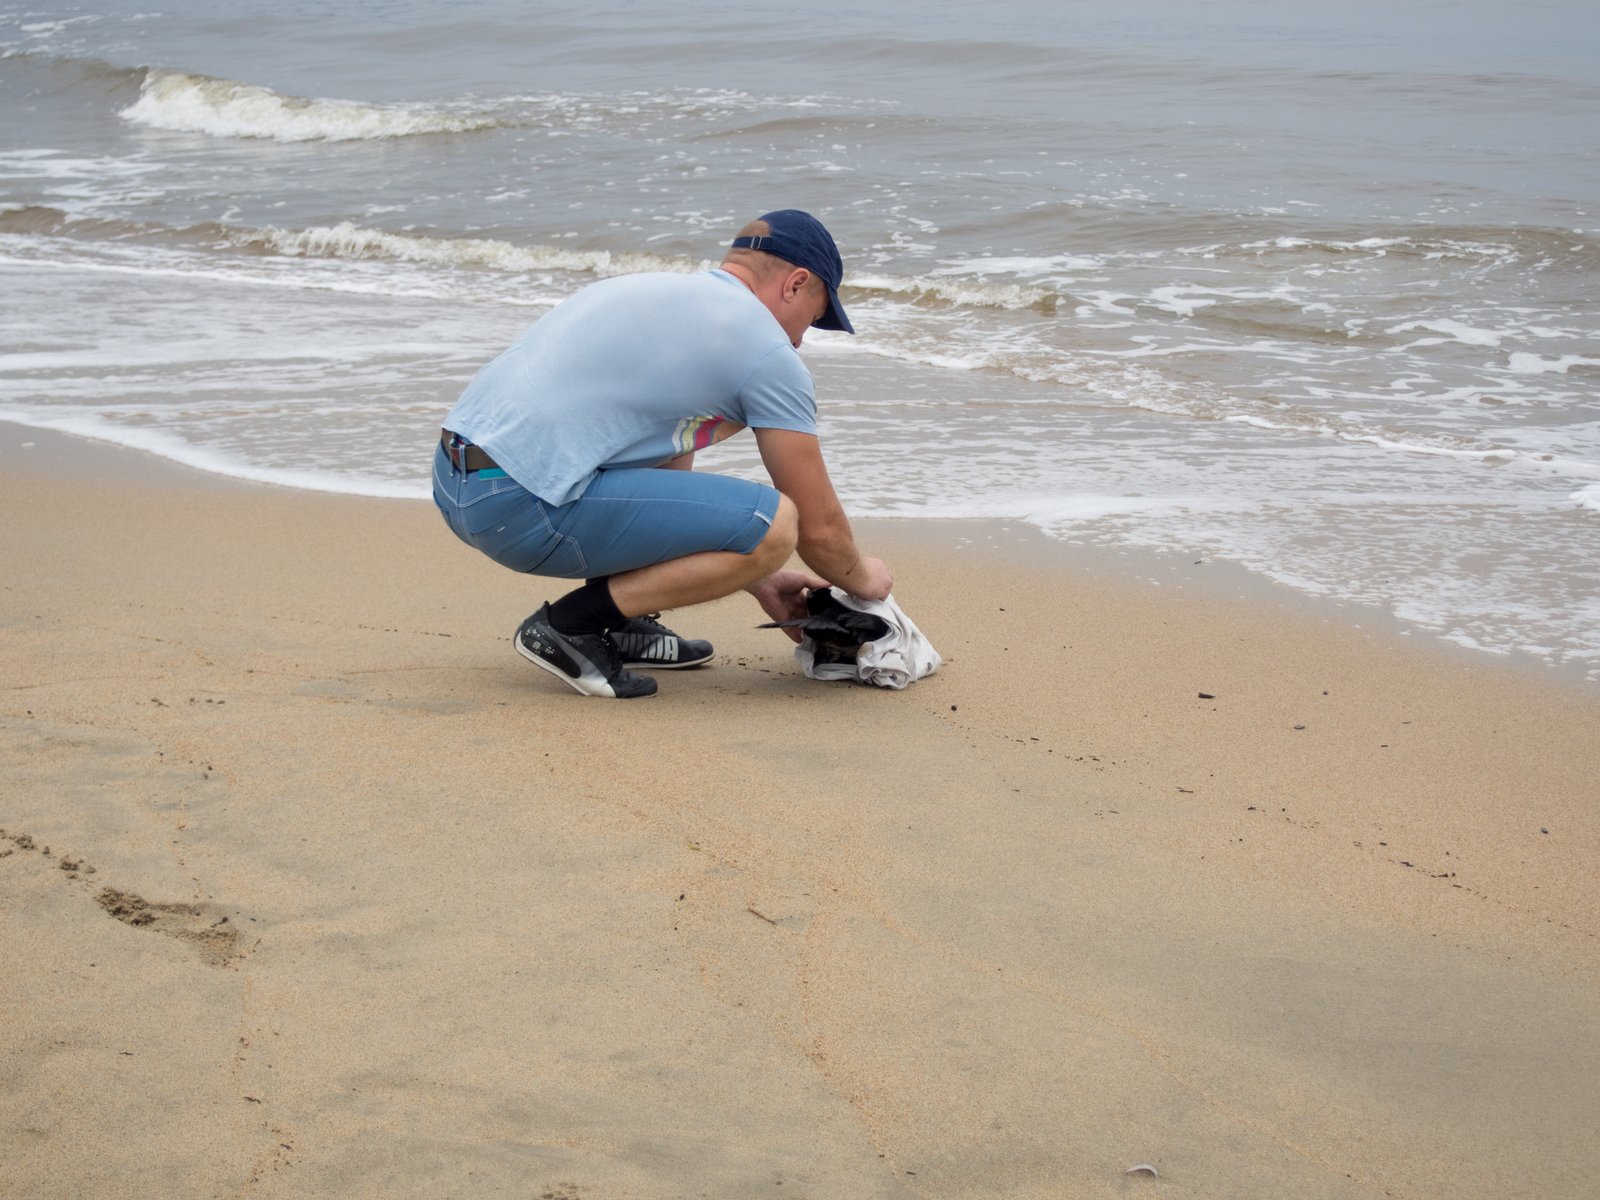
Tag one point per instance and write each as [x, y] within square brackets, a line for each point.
[782, 595]
[870, 580]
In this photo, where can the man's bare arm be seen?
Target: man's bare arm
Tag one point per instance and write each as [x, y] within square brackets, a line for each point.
[783, 595]
[827, 546]
[684, 462]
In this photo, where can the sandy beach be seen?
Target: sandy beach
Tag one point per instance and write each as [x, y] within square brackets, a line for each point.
[310, 886]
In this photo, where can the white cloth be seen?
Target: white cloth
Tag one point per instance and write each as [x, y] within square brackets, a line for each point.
[901, 656]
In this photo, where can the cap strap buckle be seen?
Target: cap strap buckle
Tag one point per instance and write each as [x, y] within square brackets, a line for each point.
[753, 243]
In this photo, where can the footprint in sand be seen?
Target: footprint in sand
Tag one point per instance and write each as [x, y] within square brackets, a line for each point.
[213, 937]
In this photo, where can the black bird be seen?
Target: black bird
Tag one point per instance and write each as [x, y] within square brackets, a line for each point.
[838, 630]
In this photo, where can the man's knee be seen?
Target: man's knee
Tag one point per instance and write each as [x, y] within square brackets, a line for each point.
[775, 548]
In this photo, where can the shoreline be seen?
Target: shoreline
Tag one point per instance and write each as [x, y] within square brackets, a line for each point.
[1013, 542]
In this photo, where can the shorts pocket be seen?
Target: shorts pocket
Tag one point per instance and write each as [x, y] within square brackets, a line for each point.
[509, 505]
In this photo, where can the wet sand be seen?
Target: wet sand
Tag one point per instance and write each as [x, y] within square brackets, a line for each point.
[341, 897]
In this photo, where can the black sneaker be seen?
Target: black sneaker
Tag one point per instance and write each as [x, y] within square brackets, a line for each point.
[645, 642]
[588, 662]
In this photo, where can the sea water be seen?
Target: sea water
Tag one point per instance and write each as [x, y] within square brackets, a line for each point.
[1309, 286]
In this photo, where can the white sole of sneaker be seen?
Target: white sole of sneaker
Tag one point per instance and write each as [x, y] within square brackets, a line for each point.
[586, 682]
[574, 684]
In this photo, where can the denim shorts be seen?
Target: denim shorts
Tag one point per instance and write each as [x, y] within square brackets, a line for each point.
[624, 519]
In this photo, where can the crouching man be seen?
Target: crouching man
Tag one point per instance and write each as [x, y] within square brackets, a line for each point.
[572, 455]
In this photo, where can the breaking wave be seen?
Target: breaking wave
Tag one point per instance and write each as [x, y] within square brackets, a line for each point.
[346, 240]
[972, 293]
[225, 108]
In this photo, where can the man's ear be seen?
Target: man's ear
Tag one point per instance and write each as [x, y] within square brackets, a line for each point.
[796, 283]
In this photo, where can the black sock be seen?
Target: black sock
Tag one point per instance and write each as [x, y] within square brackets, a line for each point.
[590, 609]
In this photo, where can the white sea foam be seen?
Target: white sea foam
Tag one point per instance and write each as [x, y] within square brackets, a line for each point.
[1588, 497]
[79, 186]
[1025, 266]
[1059, 514]
[977, 295]
[168, 264]
[351, 259]
[51, 164]
[1379, 244]
[1181, 300]
[347, 240]
[1523, 363]
[1466, 334]
[225, 108]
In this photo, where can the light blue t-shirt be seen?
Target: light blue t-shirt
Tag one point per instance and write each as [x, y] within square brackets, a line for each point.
[631, 372]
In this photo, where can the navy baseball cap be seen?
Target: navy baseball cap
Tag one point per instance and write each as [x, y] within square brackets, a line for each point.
[800, 238]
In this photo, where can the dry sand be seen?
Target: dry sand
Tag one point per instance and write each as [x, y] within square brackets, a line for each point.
[343, 898]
